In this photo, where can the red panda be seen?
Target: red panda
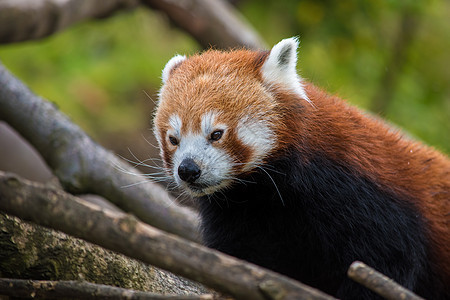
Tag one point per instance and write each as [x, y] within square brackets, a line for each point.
[293, 179]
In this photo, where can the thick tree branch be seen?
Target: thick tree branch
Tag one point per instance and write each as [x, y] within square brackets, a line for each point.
[22, 20]
[126, 235]
[211, 22]
[83, 166]
[79, 290]
[32, 251]
[379, 283]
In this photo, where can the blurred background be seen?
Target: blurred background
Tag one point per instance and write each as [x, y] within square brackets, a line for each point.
[389, 57]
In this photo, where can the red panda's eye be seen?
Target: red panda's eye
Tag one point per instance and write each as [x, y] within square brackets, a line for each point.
[173, 140]
[216, 135]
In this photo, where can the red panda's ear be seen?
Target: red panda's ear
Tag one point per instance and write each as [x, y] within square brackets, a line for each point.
[171, 65]
[280, 67]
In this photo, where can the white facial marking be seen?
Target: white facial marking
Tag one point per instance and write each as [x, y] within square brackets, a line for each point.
[208, 124]
[175, 123]
[280, 67]
[215, 163]
[258, 136]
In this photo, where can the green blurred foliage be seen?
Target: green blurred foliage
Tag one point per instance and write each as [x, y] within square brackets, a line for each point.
[101, 73]
[347, 48]
[97, 71]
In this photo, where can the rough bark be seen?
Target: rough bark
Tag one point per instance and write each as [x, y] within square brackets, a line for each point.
[44, 289]
[35, 252]
[211, 22]
[379, 283]
[125, 234]
[22, 20]
[83, 166]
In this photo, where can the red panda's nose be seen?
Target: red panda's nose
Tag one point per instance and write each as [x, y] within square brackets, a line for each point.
[189, 171]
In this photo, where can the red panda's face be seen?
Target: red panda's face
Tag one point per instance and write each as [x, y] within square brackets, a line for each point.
[216, 118]
[213, 125]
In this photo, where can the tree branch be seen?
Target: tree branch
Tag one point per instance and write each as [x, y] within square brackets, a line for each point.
[126, 235]
[22, 20]
[32, 251]
[211, 22]
[83, 166]
[379, 283]
[80, 290]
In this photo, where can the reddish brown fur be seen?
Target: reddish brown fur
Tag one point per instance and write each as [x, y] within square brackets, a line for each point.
[209, 77]
[330, 126]
[376, 151]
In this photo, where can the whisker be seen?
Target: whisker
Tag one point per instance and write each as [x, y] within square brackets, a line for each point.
[244, 181]
[136, 164]
[273, 181]
[140, 162]
[271, 168]
[210, 197]
[158, 180]
[154, 177]
[181, 198]
[148, 142]
[163, 172]
[134, 184]
[122, 169]
[149, 97]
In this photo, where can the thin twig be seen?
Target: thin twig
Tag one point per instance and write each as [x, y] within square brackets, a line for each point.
[379, 283]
